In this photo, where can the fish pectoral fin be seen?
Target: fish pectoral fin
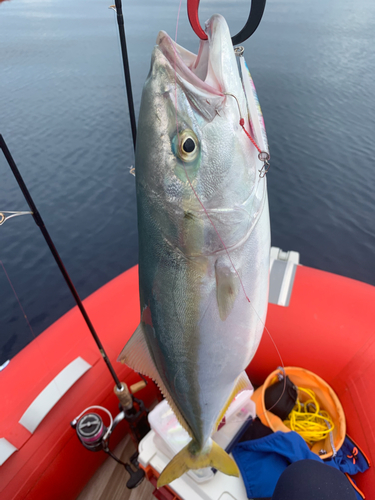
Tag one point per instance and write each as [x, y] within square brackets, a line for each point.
[227, 287]
[241, 384]
[190, 458]
[136, 354]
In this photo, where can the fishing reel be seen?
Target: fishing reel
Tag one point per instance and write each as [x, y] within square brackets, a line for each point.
[95, 435]
[90, 429]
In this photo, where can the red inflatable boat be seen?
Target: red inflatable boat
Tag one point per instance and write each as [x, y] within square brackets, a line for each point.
[319, 321]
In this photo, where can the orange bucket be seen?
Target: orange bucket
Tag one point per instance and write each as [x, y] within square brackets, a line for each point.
[326, 397]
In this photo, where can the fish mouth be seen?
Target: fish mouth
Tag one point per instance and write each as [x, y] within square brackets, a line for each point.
[204, 70]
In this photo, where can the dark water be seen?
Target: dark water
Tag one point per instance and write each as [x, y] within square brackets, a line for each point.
[64, 116]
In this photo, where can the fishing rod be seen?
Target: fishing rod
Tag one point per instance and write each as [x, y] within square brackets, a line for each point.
[94, 439]
[39, 222]
[125, 62]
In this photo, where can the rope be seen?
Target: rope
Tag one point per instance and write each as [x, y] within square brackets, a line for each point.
[308, 420]
[242, 123]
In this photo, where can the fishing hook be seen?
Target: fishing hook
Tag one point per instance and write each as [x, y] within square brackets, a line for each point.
[238, 104]
[252, 23]
[263, 156]
[4, 217]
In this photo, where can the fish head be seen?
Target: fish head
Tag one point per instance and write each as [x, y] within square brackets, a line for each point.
[192, 154]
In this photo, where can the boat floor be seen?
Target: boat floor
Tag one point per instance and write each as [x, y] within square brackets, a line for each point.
[109, 481]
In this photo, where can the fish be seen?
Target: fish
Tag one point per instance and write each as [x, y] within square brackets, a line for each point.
[204, 240]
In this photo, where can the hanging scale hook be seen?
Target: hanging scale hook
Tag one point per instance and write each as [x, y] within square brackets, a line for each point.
[252, 23]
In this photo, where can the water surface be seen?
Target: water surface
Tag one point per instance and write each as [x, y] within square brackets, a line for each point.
[64, 115]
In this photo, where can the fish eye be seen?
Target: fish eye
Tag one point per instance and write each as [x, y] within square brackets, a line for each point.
[188, 146]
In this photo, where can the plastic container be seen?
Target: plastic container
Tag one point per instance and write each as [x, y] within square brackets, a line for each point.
[172, 437]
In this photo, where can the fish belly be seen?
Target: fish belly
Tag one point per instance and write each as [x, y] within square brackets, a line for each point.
[198, 355]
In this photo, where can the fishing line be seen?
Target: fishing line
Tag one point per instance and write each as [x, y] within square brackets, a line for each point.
[242, 123]
[262, 155]
[207, 214]
[18, 300]
[184, 167]
[44, 357]
[177, 21]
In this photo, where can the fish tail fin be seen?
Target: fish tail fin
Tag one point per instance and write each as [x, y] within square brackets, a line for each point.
[190, 457]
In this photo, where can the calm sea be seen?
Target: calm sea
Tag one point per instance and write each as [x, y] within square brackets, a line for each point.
[64, 116]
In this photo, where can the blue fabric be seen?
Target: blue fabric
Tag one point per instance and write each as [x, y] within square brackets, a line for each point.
[349, 459]
[262, 461]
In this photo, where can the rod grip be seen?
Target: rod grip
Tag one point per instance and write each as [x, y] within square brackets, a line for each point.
[124, 396]
[137, 386]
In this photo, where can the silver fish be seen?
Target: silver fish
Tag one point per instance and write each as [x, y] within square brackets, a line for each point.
[204, 240]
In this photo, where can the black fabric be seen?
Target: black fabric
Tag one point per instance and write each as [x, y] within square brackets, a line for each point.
[288, 398]
[312, 480]
[255, 430]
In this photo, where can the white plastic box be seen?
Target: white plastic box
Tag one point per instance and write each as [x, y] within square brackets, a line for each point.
[170, 437]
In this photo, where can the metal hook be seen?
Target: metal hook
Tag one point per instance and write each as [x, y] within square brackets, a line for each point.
[255, 16]
[263, 155]
[238, 104]
[264, 169]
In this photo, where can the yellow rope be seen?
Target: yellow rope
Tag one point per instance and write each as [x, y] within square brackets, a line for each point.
[306, 418]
